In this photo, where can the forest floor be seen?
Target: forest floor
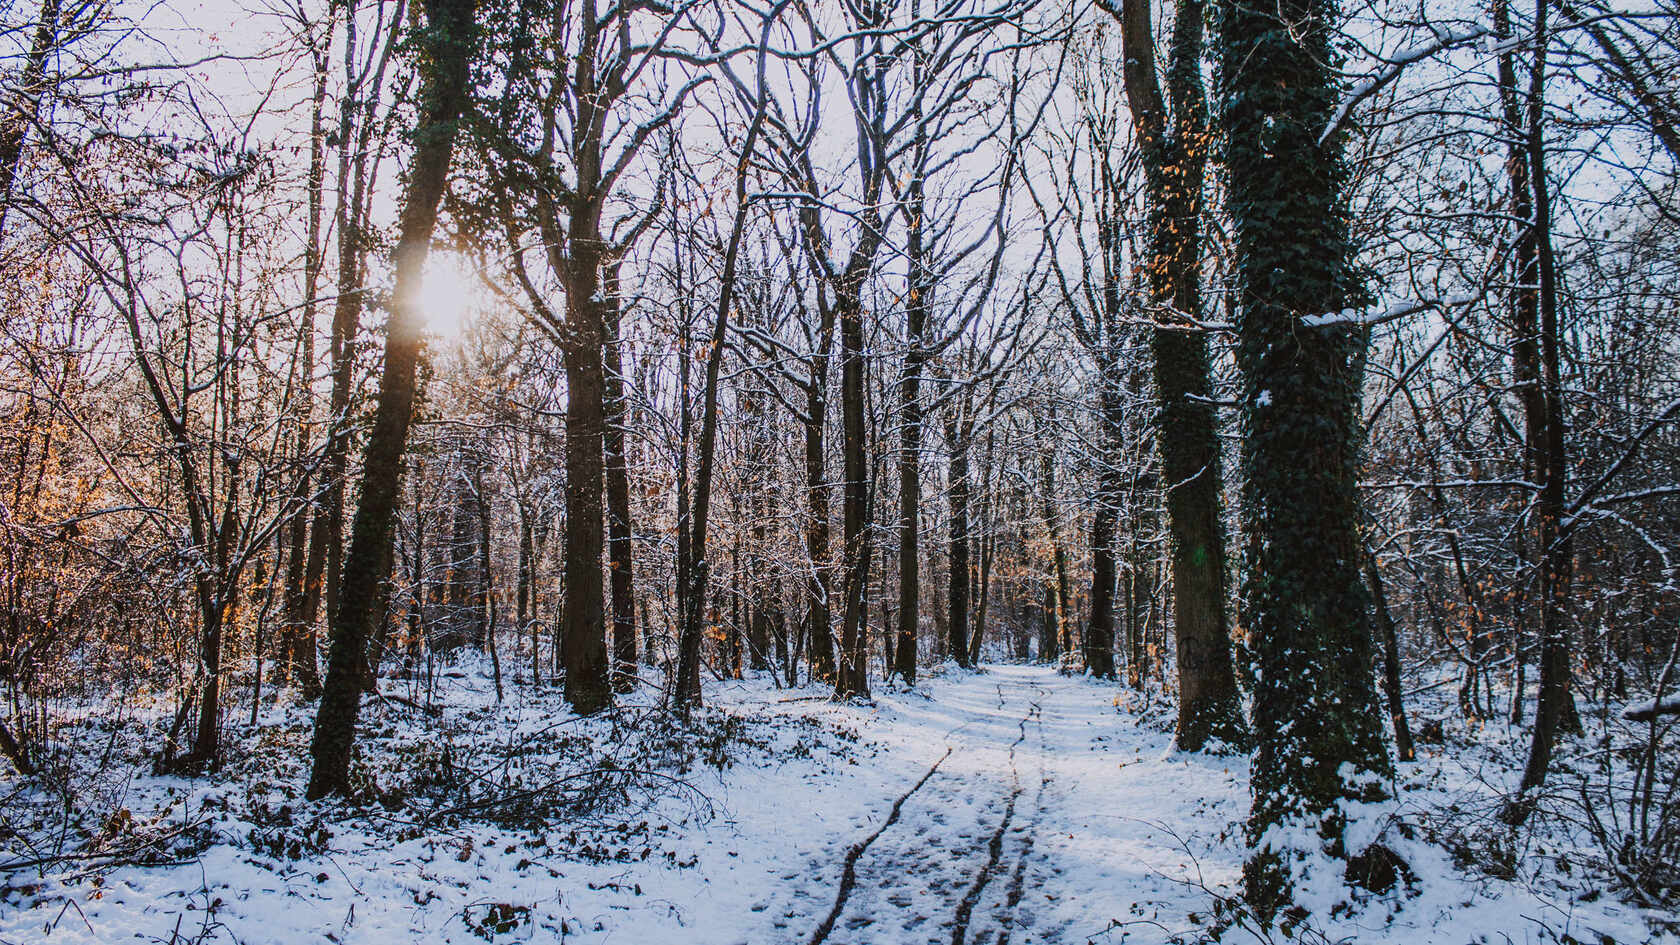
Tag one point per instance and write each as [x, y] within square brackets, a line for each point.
[1010, 805]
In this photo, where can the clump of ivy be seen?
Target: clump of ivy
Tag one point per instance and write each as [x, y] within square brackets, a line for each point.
[497, 918]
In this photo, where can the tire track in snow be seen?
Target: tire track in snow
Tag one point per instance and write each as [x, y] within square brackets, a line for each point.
[1017, 877]
[994, 846]
[913, 863]
[848, 876]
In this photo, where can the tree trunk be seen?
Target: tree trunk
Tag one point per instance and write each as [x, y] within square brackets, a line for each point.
[1064, 604]
[988, 548]
[1049, 640]
[217, 599]
[487, 599]
[297, 628]
[584, 641]
[1138, 581]
[1099, 631]
[1173, 159]
[449, 42]
[524, 602]
[620, 551]
[910, 502]
[1316, 723]
[323, 568]
[1390, 661]
[696, 578]
[1555, 712]
[1057, 587]
[910, 405]
[957, 622]
[818, 614]
[758, 590]
[853, 679]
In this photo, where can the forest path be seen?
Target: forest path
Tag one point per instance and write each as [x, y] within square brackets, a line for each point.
[1016, 821]
[931, 871]
[1006, 806]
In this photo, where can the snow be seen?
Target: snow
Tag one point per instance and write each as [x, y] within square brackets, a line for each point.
[1643, 711]
[1361, 318]
[1039, 808]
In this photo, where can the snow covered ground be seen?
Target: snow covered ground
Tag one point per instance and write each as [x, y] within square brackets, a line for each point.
[1012, 805]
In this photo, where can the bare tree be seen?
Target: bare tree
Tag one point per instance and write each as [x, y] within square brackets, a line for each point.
[450, 40]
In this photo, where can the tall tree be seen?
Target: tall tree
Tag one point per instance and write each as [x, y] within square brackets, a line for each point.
[572, 118]
[297, 637]
[1555, 711]
[363, 135]
[1173, 141]
[917, 292]
[1091, 181]
[697, 576]
[446, 43]
[1301, 355]
[841, 303]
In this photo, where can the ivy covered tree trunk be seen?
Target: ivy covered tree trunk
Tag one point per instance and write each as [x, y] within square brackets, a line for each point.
[448, 42]
[1316, 720]
[1173, 161]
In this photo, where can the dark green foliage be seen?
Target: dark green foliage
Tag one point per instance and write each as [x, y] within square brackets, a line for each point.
[497, 918]
[1303, 603]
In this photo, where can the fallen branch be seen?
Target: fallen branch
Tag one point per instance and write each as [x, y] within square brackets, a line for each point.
[1651, 708]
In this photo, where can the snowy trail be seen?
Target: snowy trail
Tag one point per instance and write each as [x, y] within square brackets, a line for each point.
[1059, 816]
[922, 875]
[1011, 806]
[1052, 817]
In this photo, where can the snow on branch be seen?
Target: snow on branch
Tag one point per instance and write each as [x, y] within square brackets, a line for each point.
[1396, 65]
[1651, 708]
[1360, 317]
[1589, 496]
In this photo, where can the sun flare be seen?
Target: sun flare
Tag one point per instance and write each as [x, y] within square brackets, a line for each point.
[451, 297]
